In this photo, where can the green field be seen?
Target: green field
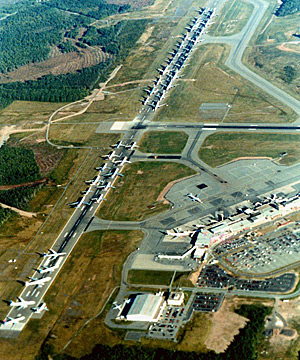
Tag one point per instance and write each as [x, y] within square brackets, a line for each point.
[208, 80]
[221, 148]
[135, 196]
[233, 17]
[163, 142]
[150, 277]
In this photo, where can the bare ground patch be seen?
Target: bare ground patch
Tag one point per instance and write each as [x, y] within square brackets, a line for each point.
[225, 325]
[57, 64]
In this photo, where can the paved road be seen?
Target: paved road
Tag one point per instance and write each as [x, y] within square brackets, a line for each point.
[239, 43]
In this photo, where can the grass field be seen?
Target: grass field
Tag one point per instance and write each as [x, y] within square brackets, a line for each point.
[163, 142]
[139, 188]
[146, 277]
[212, 82]
[29, 112]
[220, 148]
[232, 19]
[80, 135]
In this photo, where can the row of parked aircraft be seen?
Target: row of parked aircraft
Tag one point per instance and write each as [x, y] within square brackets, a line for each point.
[101, 180]
[37, 283]
[176, 61]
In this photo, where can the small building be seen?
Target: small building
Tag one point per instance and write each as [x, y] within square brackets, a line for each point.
[176, 298]
[143, 307]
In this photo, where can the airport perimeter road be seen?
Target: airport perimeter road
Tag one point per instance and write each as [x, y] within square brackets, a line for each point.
[239, 42]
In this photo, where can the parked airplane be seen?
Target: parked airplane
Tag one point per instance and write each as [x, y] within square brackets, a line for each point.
[37, 282]
[93, 181]
[13, 321]
[47, 269]
[53, 254]
[178, 233]
[194, 197]
[84, 192]
[102, 167]
[116, 306]
[21, 304]
[131, 146]
[122, 161]
[98, 199]
[41, 307]
[117, 145]
[110, 155]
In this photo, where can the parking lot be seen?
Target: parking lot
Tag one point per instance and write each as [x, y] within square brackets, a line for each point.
[169, 323]
[268, 253]
[205, 302]
[214, 277]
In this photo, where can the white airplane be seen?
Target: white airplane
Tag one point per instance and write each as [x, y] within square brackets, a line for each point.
[47, 269]
[102, 167]
[123, 161]
[194, 197]
[110, 155]
[38, 282]
[96, 180]
[13, 321]
[41, 307]
[99, 199]
[117, 145]
[112, 174]
[52, 254]
[21, 304]
[116, 306]
[177, 233]
[108, 186]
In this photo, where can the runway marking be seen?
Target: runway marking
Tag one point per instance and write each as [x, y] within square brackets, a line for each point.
[82, 208]
[65, 234]
[37, 294]
[212, 129]
[252, 129]
[74, 235]
[28, 293]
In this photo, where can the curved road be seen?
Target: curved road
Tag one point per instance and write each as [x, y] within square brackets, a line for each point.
[239, 43]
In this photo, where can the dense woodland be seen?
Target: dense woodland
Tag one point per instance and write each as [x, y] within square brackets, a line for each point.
[244, 346]
[19, 197]
[17, 166]
[288, 7]
[61, 88]
[96, 9]
[118, 40]
[27, 36]
[5, 214]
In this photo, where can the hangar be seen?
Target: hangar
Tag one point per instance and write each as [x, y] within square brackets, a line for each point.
[143, 307]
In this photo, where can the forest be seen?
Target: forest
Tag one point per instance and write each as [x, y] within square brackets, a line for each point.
[19, 197]
[61, 88]
[96, 9]
[244, 345]
[288, 7]
[17, 166]
[118, 40]
[5, 214]
[26, 37]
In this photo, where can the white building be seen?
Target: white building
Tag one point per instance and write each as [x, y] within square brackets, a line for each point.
[146, 307]
[175, 298]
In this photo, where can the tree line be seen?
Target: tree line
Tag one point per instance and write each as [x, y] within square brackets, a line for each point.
[62, 88]
[17, 166]
[117, 40]
[288, 7]
[27, 36]
[96, 9]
